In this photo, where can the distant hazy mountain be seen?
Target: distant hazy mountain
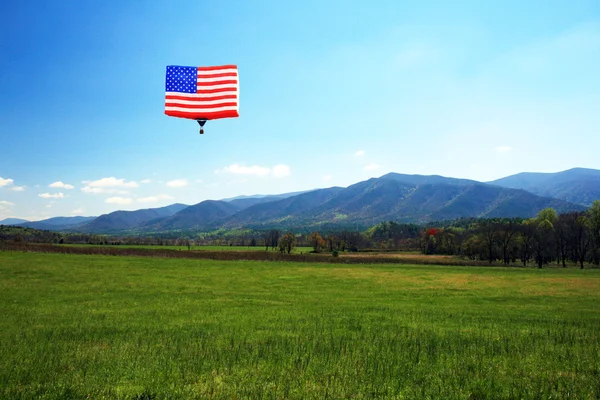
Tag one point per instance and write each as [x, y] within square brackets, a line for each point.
[124, 220]
[577, 185]
[12, 221]
[57, 223]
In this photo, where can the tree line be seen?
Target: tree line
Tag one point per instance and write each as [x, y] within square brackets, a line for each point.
[572, 237]
[548, 237]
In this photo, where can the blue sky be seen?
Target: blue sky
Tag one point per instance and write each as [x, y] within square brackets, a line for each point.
[331, 93]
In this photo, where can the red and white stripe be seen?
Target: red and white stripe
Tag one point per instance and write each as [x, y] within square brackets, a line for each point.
[217, 95]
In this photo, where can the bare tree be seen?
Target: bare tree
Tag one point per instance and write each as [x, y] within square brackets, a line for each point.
[287, 242]
[506, 234]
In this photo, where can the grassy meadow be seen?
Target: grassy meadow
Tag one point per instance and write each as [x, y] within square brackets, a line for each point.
[296, 250]
[93, 326]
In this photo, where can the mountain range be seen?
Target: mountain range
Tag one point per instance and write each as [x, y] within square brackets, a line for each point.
[577, 185]
[397, 197]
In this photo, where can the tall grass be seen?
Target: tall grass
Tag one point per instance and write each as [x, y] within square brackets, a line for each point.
[77, 326]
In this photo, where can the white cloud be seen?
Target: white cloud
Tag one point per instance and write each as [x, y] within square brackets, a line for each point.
[177, 183]
[52, 195]
[198, 180]
[146, 181]
[327, 178]
[6, 182]
[359, 153]
[277, 171]
[281, 170]
[77, 211]
[5, 205]
[61, 185]
[154, 199]
[371, 167]
[108, 185]
[244, 170]
[119, 200]
[112, 182]
[101, 190]
[17, 188]
[503, 149]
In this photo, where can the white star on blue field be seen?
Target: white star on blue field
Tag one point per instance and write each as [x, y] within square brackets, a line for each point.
[181, 79]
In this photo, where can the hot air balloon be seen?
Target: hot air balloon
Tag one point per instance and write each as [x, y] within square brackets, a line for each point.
[202, 93]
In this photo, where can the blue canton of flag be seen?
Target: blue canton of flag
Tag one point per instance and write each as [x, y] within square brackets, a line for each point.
[181, 79]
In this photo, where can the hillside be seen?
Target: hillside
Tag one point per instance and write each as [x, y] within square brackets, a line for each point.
[12, 221]
[396, 197]
[265, 197]
[198, 216]
[58, 223]
[280, 211]
[124, 220]
[577, 185]
[391, 197]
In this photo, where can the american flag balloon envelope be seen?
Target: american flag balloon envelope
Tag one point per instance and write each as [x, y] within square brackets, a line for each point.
[202, 93]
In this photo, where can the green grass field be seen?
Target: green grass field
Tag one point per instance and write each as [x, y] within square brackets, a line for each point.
[296, 250]
[79, 326]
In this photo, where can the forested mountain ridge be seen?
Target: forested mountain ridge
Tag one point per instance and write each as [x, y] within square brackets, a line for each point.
[576, 185]
[391, 197]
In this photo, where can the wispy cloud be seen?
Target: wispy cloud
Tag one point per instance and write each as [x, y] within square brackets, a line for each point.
[359, 153]
[5, 205]
[503, 149]
[5, 182]
[101, 190]
[371, 167]
[327, 178]
[177, 183]
[77, 211]
[245, 170]
[61, 185]
[111, 182]
[277, 171]
[119, 200]
[146, 181]
[110, 185]
[52, 195]
[154, 199]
